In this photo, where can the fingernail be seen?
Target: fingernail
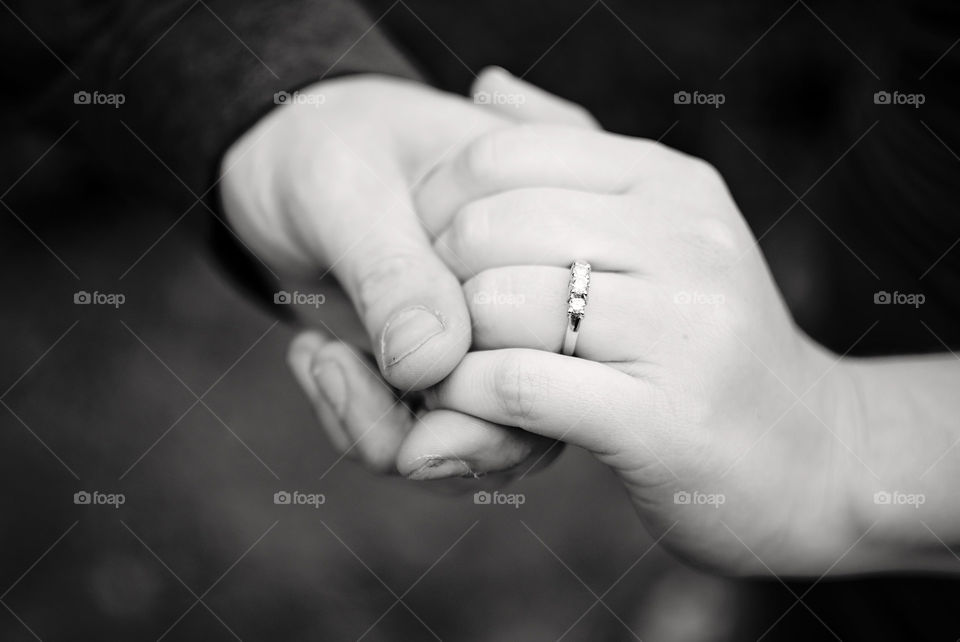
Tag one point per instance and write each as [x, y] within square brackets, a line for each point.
[331, 383]
[406, 332]
[441, 468]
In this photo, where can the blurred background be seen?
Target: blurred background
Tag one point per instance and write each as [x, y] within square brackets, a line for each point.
[180, 399]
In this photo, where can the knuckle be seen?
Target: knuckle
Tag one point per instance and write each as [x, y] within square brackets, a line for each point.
[584, 116]
[716, 233]
[667, 158]
[517, 388]
[658, 149]
[714, 240]
[480, 160]
[491, 156]
[470, 225]
[705, 172]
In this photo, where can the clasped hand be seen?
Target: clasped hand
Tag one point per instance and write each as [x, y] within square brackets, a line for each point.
[449, 228]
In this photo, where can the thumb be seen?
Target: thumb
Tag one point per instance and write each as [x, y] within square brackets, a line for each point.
[354, 208]
[500, 91]
[410, 303]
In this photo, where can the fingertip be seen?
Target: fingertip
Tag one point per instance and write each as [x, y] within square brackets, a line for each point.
[444, 443]
[301, 354]
[488, 76]
[305, 345]
[528, 102]
[306, 359]
[427, 332]
[430, 356]
[583, 402]
[374, 423]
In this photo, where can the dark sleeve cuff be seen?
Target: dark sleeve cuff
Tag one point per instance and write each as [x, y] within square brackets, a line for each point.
[192, 88]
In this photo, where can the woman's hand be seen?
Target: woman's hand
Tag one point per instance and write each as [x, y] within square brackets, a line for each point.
[732, 431]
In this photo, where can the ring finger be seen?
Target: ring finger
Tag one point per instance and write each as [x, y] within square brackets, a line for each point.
[526, 307]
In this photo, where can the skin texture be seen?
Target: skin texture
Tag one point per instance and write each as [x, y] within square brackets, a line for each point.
[745, 447]
[688, 368]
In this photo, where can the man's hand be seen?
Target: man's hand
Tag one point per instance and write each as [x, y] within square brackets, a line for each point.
[320, 188]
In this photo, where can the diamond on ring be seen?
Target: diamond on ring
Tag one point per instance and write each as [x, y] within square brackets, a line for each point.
[576, 303]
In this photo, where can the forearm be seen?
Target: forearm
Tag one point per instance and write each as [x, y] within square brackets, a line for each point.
[909, 461]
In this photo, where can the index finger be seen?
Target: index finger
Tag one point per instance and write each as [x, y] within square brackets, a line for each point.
[539, 156]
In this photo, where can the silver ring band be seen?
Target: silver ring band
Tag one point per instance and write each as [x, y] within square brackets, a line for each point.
[576, 304]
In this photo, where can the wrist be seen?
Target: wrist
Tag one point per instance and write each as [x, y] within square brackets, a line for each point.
[832, 409]
[902, 515]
